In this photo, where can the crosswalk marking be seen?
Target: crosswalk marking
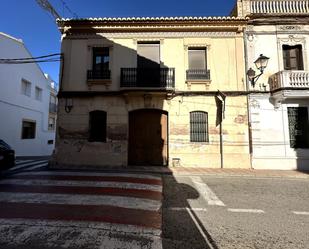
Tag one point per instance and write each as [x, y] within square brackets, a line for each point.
[242, 210]
[82, 184]
[206, 192]
[300, 212]
[28, 164]
[69, 199]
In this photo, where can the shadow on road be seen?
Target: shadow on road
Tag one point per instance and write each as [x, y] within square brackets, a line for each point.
[182, 228]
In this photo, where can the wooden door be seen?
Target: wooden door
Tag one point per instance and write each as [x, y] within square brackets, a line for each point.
[148, 137]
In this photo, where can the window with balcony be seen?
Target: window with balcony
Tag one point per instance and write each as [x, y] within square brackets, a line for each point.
[292, 57]
[28, 129]
[199, 126]
[197, 62]
[298, 127]
[97, 126]
[26, 87]
[100, 64]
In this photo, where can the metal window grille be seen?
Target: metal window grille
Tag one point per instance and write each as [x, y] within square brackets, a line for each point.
[298, 127]
[199, 126]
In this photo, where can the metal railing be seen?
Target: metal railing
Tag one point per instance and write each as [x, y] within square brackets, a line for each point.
[98, 74]
[198, 74]
[289, 79]
[148, 77]
[279, 6]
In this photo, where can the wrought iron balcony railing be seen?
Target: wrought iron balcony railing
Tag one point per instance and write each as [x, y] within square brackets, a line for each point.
[148, 77]
[289, 79]
[198, 74]
[98, 74]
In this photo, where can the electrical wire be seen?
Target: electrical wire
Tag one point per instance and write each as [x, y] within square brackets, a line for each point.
[38, 59]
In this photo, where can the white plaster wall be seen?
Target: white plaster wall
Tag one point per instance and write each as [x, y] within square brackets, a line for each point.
[14, 106]
[270, 131]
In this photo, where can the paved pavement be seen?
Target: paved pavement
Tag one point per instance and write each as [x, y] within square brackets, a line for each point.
[235, 212]
[62, 209]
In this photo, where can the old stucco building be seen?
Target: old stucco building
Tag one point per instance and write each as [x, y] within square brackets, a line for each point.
[279, 102]
[144, 91]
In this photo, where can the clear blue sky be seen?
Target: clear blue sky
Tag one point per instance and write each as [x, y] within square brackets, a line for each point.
[25, 20]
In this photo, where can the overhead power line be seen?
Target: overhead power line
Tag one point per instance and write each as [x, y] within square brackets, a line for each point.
[38, 59]
[65, 5]
[44, 4]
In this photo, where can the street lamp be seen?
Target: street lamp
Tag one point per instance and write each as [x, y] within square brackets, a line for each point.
[261, 64]
[68, 105]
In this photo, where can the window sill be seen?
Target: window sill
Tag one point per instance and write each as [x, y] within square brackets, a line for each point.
[98, 82]
[200, 82]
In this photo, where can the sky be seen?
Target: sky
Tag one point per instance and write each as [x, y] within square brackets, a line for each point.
[25, 20]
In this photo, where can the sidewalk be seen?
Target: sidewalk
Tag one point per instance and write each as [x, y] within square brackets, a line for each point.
[241, 172]
[196, 171]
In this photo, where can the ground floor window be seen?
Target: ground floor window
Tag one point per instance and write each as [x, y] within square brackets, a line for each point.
[199, 126]
[97, 126]
[28, 129]
[298, 127]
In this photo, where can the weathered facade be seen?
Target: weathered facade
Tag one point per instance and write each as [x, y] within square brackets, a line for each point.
[279, 101]
[144, 91]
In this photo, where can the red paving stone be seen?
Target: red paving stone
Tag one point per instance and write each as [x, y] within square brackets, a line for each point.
[76, 190]
[94, 213]
[91, 178]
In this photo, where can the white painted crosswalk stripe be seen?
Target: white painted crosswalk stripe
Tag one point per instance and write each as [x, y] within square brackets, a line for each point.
[29, 164]
[243, 210]
[101, 184]
[38, 166]
[78, 173]
[300, 212]
[205, 192]
[69, 199]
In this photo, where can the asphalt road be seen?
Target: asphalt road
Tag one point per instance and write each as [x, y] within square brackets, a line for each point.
[235, 212]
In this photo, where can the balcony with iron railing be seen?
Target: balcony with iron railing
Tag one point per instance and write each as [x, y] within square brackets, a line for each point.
[148, 78]
[197, 74]
[279, 7]
[288, 85]
[98, 77]
[98, 74]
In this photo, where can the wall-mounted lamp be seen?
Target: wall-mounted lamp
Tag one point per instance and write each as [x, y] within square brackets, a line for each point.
[68, 105]
[261, 64]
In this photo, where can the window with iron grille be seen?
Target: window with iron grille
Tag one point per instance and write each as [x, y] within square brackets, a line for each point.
[199, 126]
[28, 129]
[298, 127]
[97, 126]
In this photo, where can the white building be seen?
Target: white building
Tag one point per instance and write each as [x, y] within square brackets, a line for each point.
[25, 95]
[279, 102]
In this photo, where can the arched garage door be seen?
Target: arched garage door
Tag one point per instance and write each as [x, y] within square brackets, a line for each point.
[148, 137]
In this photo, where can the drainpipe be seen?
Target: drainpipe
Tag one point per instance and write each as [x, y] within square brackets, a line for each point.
[248, 97]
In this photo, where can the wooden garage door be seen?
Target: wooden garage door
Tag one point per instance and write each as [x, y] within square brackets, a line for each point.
[148, 137]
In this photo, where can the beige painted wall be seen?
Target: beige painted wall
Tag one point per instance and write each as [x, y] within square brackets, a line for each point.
[225, 59]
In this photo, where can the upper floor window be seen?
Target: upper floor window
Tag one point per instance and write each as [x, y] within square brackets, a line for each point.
[298, 127]
[199, 126]
[28, 129]
[292, 57]
[51, 123]
[26, 87]
[100, 64]
[197, 62]
[38, 93]
[52, 103]
[97, 126]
